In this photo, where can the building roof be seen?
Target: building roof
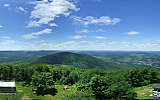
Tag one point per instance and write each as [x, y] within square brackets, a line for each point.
[7, 84]
[156, 86]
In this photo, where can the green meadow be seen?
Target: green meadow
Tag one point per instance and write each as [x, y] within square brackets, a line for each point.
[25, 93]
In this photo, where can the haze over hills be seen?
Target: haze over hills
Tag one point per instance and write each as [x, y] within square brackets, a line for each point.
[21, 57]
[128, 59]
[25, 53]
[105, 59]
[75, 60]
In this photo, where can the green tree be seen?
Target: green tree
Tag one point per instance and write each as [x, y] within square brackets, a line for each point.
[111, 87]
[120, 90]
[43, 83]
[4, 72]
[142, 76]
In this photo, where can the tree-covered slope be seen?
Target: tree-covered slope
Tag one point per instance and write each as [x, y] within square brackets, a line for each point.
[75, 60]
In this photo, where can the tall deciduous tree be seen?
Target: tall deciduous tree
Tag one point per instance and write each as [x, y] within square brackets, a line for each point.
[108, 87]
[43, 83]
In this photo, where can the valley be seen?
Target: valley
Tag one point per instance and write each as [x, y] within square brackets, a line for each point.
[66, 75]
[115, 59]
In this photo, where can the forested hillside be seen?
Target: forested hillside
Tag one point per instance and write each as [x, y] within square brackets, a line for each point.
[75, 60]
[44, 79]
[21, 57]
[113, 59]
[68, 75]
[128, 59]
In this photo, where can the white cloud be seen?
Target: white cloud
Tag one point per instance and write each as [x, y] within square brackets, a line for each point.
[100, 30]
[5, 37]
[78, 37]
[86, 45]
[157, 40]
[1, 26]
[46, 12]
[133, 33]
[72, 45]
[38, 46]
[8, 42]
[33, 24]
[83, 31]
[6, 5]
[22, 9]
[91, 31]
[104, 20]
[97, 0]
[42, 41]
[112, 43]
[65, 43]
[35, 34]
[125, 42]
[100, 37]
[53, 24]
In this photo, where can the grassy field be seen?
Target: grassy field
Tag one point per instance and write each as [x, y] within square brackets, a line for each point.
[25, 93]
[144, 92]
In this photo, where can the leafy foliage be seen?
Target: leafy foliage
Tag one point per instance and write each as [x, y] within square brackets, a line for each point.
[43, 83]
[103, 84]
[142, 76]
[104, 87]
[75, 60]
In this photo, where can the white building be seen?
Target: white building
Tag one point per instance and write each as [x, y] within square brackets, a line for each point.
[7, 87]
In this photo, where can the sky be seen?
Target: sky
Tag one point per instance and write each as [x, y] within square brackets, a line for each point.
[80, 25]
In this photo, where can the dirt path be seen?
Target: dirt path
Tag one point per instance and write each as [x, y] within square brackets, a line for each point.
[144, 92]
[25, 97]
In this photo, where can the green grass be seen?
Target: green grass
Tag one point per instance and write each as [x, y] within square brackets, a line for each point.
[11, 97]
[25, 93]
[144, 92]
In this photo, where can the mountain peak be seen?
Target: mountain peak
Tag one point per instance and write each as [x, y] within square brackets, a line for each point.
[73, 59]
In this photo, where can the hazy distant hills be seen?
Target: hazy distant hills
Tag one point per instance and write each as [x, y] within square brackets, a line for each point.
[75, 60]
[84, 59]
[21, 57]
[25, 53]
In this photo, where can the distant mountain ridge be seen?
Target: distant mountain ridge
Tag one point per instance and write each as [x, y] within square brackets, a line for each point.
[118, 59]
[75, 60]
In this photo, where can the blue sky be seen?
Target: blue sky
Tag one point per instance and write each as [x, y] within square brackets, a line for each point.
[80, 25]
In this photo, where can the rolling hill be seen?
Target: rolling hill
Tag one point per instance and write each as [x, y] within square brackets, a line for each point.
[75, 60]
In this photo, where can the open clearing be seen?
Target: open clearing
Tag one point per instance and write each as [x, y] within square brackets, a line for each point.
[144, 92]
[25, 93]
